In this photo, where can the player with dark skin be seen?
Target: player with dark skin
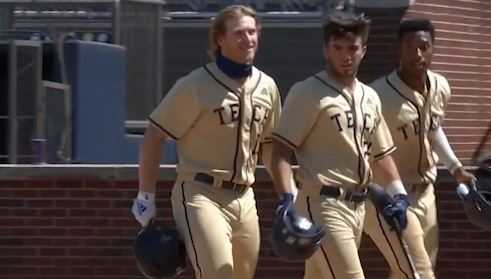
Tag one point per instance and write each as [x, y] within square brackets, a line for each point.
[414, 100]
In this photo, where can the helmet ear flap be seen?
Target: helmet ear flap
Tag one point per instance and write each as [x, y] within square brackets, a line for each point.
[159, 252]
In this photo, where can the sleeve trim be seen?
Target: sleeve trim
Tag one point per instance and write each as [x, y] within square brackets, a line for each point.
[162, 128]
[284, 140]
[385, 153]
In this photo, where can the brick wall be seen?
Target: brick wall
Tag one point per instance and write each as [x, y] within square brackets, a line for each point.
[80, 228]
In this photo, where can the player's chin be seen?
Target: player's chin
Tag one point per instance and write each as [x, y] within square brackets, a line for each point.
[419, 69]
[249, 58]
[347, 72]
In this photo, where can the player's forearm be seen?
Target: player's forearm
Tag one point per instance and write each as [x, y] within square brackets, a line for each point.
[444, 151]
[266, 152]
[281, 171]
[149, 161]
[387, 174]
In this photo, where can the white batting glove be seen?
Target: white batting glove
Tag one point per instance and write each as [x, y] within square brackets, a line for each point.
[144, 208]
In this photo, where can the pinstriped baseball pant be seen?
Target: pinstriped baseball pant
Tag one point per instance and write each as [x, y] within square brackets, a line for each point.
[338, 256]
[219, 228]
[420, 235]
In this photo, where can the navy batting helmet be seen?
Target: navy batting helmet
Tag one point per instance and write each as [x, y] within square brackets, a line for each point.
[477, 197]
[295, 237]
[159, 252]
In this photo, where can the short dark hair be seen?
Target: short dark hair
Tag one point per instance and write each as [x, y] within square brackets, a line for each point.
[340, 23]
[415, 25]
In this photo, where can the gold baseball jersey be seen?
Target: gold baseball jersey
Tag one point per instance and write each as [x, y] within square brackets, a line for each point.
[218, 124]
[334, 133]
[411, 117]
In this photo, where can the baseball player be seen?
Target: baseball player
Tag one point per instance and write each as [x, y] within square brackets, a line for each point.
[333, 124]
[414, 101]
[220, 115]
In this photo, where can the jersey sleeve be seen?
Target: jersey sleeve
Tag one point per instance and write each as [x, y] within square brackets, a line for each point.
[179, 109]
[297, 118]
[445, 92]
[274, 116]
[382, 144]
[439, 102]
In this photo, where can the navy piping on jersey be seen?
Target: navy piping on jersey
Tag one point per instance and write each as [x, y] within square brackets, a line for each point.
[360, 169]
[251, 146]
[162, 128]
[189, 230]
[386, 237]
[386, 152]
[361, 157]
[430, 151]
[421, 147]
[324, 253]
[238, 125]
[426, 97]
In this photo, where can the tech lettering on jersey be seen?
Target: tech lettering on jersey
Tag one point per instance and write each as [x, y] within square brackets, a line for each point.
[231, 116]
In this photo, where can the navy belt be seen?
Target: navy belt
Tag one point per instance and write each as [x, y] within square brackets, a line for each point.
[208, 179]
[346, 195]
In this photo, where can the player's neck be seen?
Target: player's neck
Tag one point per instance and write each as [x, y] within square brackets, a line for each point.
[233, 69]
[415, 81]
[347, 81]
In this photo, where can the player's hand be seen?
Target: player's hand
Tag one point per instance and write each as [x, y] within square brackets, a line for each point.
[395, 213]
[286, 200]
[143, 210]
[463, 176]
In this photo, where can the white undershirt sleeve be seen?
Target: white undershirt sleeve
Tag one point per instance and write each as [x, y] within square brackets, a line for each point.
[444, 151]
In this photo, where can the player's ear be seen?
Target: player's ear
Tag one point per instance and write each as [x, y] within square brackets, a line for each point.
[325, 50]
[219, 40]
[364, 51]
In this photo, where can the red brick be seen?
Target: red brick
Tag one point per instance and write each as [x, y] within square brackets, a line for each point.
[11, 203]
[82, 212]
[38, 222]
[81, 194]
[53, 193]
[14, 184]
[53, 231]
[81, 232]
[10, 222]
[67, 242]
[52, 252]
[71, 203]
[112, 212]
[39, 203]
[68, 222]
[70, 183]
[113, 194]
[98, 203]
[53, 271]
[53, 212]
[24, 231]
[95, 222]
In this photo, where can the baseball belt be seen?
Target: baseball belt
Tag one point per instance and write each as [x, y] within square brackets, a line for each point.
[346, 195]
[208, 179]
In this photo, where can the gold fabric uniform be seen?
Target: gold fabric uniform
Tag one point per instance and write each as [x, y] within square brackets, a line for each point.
[412, 117]
[219, 127]
[335, 135]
